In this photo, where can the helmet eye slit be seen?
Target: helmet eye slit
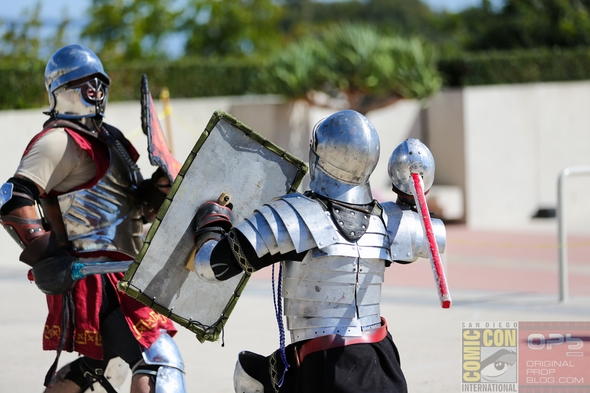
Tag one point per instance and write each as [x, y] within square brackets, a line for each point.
[93, 91]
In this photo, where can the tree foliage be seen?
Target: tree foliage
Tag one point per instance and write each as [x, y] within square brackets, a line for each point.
[141, 29]
[362, 54]
[354, 66]
[525, 24]
[130, 29]
[231, 28]
[22, 41]
[406, 17]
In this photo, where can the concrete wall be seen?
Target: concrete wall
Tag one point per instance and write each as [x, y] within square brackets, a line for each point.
[287, 124]
[501, 147]
[505, 146]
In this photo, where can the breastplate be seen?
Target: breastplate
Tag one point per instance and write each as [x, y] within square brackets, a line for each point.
[107, 216]
[337, 289]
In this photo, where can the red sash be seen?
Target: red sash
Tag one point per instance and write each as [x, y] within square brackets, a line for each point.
[144, 322]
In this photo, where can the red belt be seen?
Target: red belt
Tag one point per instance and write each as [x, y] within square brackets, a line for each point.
[335, 341]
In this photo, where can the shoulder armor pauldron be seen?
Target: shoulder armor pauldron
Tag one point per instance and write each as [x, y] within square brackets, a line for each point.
[291, 222]
[408, 240]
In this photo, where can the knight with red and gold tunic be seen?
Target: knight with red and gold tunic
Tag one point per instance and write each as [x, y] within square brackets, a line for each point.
[82, 175]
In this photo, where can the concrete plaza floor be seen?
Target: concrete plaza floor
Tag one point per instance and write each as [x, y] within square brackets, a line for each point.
[495, 276]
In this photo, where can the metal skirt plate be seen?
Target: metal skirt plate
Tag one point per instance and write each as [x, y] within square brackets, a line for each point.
[228, 158]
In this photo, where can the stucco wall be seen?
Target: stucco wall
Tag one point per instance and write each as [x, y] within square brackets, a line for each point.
[506, 146]
[502, 146]
[284, 123]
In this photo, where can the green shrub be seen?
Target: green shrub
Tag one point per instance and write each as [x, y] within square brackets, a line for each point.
[188, 78]
[22, 86]
[518, 66]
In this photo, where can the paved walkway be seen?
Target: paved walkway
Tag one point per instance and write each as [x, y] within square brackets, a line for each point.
[492, 277]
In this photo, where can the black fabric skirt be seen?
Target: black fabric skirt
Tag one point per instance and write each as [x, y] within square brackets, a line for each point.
[358, 368]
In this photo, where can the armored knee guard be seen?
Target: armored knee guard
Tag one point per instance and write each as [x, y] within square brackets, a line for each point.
[164, 363]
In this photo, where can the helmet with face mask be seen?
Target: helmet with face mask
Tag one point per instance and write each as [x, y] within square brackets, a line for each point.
[77, 85]
[343, 153]
[410, 156]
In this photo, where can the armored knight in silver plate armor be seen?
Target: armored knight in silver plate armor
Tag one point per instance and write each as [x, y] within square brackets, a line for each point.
[334, 243]
[82, 174]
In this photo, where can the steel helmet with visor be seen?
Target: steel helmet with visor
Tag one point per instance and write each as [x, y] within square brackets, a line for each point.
[76, 83]
[343, 153]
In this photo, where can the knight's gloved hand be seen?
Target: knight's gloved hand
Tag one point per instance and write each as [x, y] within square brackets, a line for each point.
[161, 181]
[403, 198]
[212, 222]
[53, 275]
[212, 214]
[152, 193]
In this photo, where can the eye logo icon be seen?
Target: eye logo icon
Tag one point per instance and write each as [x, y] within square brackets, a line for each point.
[499, 366]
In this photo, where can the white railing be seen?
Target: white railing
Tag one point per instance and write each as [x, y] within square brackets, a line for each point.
[561, 228]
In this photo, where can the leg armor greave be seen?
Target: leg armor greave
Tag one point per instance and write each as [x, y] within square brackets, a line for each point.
[164, 363]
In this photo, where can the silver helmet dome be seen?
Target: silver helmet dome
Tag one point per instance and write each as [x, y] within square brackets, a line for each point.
[411, 156]
[343, 153]
[76, 83]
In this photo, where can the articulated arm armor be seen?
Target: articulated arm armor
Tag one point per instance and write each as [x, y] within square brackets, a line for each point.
[20, 227]
[41, 250]
[405, 230]
[22, 230]
[19, 218]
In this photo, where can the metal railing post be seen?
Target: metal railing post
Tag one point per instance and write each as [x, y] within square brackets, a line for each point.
[561, 229]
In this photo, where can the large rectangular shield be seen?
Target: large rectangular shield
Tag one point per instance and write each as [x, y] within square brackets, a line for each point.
[228, 158]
